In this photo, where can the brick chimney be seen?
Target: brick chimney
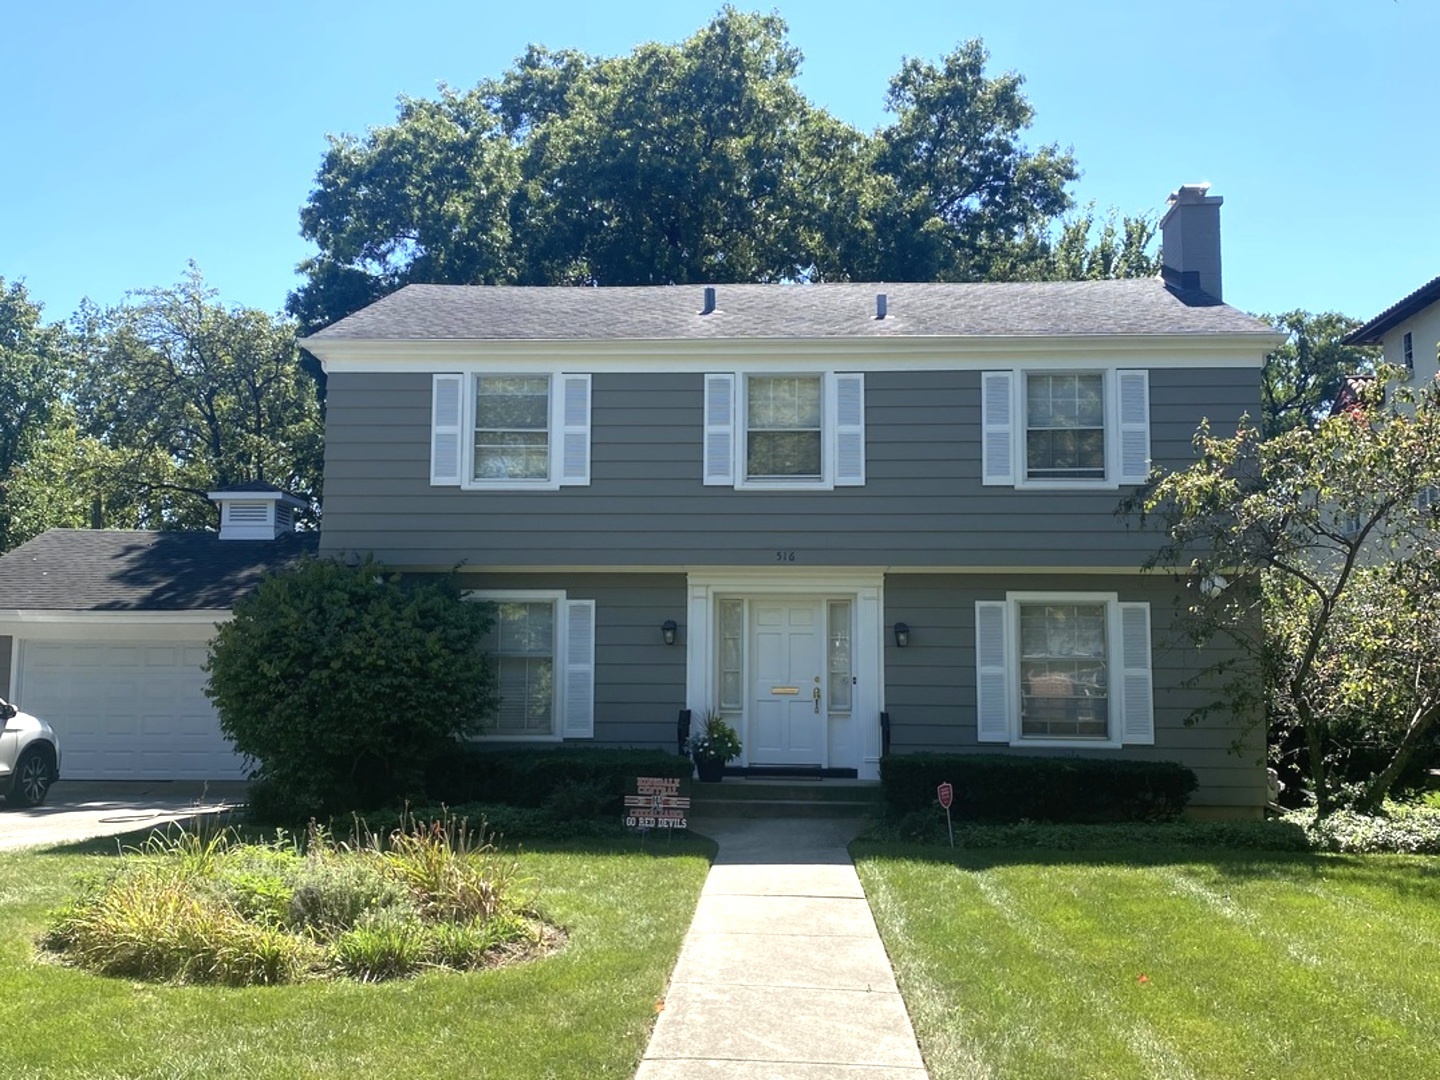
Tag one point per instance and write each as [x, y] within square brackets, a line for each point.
[1190, 241]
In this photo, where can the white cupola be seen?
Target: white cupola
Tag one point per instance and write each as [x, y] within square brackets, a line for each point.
[255, 511]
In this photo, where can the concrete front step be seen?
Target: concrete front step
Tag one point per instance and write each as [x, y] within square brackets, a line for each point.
[762, 798]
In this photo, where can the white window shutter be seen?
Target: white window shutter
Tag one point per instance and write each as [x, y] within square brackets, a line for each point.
[1137, 695]
[997, 406]
[849, 430]
[720, 429]
[446, 409]
[579, 669]
[574, 429]
[1132, 407]
[992, 671]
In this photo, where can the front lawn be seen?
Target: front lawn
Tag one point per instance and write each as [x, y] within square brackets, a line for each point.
[586, 1011]
[1163, 963]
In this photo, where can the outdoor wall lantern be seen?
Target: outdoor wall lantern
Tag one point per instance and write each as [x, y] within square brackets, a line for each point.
[667, 631]
[902, 635]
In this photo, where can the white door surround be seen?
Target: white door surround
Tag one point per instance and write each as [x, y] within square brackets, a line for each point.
[786, 625]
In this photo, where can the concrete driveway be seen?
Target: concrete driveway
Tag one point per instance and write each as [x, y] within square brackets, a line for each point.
[81, 810]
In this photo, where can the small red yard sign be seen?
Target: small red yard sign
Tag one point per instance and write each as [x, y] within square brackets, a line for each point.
[947, 796]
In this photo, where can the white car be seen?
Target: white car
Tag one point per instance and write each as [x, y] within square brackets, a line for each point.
[29, 757]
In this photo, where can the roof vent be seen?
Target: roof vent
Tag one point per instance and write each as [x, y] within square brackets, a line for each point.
[709, 308]
[882, 305]
[255, 512]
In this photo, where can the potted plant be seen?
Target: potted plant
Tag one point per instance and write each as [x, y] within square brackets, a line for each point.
[712, 746]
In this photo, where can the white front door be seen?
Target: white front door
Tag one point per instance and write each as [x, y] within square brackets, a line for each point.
[787, 706]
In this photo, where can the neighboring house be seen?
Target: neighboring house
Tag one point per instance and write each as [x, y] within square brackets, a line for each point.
[104, 633]
[1408, 331]
[807, 506]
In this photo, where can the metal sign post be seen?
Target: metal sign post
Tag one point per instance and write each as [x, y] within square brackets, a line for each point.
[947, 796]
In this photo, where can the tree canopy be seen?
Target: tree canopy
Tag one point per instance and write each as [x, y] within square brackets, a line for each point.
[1302, 376]
[146, 407]
[32, 374]
[697, 161]
[1320, 547]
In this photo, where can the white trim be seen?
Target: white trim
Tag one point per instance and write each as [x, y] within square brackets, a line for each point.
[99, 619]
[1113, 667]
[863, 587]
[1115, 431]
[1242, 350]
[741, 415]
[556, 598]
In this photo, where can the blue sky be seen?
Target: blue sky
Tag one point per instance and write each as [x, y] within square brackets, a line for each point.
[139, 135]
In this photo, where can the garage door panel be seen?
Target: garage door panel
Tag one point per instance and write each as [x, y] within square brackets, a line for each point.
[128, 711]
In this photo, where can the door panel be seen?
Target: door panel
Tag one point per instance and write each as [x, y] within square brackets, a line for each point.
[787, 725]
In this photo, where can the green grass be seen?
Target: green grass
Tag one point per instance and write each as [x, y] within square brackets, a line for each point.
[1025, 964]
[586, 1011]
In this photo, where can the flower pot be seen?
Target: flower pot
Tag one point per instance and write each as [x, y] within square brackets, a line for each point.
[711, 770]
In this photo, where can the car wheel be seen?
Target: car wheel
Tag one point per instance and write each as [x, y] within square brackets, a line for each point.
[33, 776]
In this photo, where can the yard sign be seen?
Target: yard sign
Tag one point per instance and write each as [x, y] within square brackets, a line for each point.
[947, 796]
[656, 804]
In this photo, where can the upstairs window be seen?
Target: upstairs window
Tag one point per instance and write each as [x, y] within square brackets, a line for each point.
[1058, 429]
[784, 437]
[510, 431]
[512, 427]
[784, 431]
[1408, 351]
[1065, 427]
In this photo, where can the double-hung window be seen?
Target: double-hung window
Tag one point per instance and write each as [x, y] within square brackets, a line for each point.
[1061, 428]
[506, 430]
[784, 431]
[541, 647]
[1065, 669]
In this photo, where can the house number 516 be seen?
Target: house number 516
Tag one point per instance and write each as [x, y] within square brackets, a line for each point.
[784, 556]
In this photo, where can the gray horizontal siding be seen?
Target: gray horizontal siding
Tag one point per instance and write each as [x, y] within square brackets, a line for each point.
[639, 680]
[922, 503]
[930, 686]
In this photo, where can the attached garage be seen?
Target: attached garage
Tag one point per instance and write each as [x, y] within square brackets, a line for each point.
[105, 634]
[127, 711]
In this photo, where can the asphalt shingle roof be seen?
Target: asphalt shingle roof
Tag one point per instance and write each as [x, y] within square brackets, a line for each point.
[112, 570]
[662, 313]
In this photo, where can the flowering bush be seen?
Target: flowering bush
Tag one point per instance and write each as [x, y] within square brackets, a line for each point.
[716, 741]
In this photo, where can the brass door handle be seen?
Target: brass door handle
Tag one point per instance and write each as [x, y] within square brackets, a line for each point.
[817, 701]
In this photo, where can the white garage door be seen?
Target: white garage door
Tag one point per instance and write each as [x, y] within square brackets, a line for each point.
[127, 712]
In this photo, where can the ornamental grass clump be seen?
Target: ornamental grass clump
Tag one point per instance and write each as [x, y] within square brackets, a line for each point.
[187, 908]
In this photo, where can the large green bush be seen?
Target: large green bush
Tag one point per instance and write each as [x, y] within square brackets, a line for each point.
[342, 684]
[1009, 788]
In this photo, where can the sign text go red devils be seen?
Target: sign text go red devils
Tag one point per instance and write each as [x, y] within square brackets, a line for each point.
[947, 795]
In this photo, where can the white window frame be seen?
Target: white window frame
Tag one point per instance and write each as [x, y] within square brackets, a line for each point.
[561, 661]
[1016, 475]
[839, 442]
[1114, 669]
[566, 436]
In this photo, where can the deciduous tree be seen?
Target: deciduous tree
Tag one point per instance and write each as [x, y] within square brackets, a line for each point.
[1330, 538]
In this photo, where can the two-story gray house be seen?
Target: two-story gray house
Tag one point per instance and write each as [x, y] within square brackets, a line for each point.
[803, 506]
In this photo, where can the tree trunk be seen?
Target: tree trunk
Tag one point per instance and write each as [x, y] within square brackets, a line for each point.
[1379, 785]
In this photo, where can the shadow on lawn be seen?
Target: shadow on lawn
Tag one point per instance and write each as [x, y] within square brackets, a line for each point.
[1415, 877]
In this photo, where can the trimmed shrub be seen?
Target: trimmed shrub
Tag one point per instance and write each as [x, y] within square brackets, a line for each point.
[586, 781]
[342, 684]
[1012, 788]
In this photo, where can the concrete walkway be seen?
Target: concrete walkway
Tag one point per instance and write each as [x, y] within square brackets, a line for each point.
[782, 973]
[82, 810]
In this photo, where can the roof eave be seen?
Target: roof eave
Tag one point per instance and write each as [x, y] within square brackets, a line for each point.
[1373, 332]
